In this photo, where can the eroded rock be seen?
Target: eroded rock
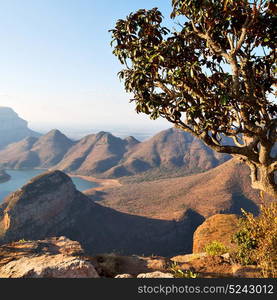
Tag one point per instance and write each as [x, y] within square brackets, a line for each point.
[49, 258]
[220, 228]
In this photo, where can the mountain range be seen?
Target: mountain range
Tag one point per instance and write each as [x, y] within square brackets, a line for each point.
[169, 184]
[168, 153]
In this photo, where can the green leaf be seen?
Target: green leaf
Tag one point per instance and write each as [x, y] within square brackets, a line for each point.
[224, 100]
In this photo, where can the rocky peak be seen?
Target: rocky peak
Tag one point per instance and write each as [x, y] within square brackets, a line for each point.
[26, 212]
[55, 133]
[107, 138]
[55, 136]
[131, 141]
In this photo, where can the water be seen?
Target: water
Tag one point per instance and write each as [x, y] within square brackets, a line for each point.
[21, 177]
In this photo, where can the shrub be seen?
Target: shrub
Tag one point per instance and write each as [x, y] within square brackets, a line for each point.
[257, 240]
[179, 273]
[215, 248]
[22, 241]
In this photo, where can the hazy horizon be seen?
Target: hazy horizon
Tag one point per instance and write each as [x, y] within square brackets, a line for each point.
[75, 132]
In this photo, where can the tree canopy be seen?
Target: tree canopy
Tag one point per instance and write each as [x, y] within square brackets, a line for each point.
[215, 77]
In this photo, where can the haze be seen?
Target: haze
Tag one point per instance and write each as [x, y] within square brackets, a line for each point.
[57, 68]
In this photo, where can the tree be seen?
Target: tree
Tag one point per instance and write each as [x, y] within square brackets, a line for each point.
[214, 78]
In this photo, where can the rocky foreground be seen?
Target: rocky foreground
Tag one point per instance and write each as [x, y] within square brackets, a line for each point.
[62, 258]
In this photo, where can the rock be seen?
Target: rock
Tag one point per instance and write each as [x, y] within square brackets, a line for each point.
[156, 274]
[246, 271]
[48, 266]
[124, 276]
[220, 228]
[226, 256]
[41, 204]
[50, 258]
[110, 265]
[188, 257]
[156, 263]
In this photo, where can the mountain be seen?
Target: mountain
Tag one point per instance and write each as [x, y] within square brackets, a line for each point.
[12, 127]
[170, 151]
[224, 189]
[96, 153]
[51, 148]
[49, 205]
[32, 152]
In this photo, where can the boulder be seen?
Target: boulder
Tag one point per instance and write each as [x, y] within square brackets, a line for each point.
[220, 228]
[250, 271]
[48, 266]
[187, 257]
[49, 258]
[124, 276]
[111, 265]
[156, 274]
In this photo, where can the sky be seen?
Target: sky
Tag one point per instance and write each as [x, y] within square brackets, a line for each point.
[57, 68]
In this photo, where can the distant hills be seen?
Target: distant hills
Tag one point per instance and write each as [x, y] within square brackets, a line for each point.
[104, 155]
[12, 127]
[96, 154]
[170, 151]
[31, 152]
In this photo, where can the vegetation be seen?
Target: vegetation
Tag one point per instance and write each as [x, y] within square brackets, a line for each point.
[214, 78]
[257, 240]
[179, 273]
[22, 241]
[215, 248]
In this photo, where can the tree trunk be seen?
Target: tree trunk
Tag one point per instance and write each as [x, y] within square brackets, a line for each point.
[263, 179]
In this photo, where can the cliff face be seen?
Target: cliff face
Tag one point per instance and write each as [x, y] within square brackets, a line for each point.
[12, 127]
[50, 205]
[29, 209]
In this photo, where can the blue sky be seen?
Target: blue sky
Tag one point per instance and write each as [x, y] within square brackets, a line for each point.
[57, 67]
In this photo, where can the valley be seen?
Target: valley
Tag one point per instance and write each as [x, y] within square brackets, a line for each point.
[139, 197]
